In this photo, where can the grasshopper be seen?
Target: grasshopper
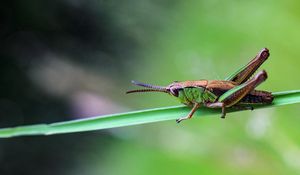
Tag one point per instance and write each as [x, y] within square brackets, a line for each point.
[236, 91]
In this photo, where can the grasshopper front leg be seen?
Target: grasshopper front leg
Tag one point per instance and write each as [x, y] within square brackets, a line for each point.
[234, 95]
[190, 115]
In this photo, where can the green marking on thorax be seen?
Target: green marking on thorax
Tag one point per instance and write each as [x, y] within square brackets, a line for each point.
[209, 96]
[195, 94]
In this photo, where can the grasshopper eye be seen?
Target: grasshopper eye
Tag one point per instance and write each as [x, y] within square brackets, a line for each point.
[174, 92]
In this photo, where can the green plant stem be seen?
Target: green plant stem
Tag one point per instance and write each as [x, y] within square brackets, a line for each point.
[132, 118]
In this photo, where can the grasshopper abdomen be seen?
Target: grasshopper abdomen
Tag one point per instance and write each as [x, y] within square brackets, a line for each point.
[257, 97]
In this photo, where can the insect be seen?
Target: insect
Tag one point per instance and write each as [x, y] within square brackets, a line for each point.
[236, 91]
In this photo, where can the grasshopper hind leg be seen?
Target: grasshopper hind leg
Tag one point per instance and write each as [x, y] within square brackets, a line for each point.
[234, 95]
[242, 75]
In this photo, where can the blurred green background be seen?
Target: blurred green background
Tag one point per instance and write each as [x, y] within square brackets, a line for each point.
[68, 59]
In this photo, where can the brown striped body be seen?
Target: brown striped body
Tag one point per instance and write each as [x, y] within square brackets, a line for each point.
[238, 90]
[219, 87]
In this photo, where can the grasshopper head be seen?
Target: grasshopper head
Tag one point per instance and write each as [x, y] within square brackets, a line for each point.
[172, 89]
